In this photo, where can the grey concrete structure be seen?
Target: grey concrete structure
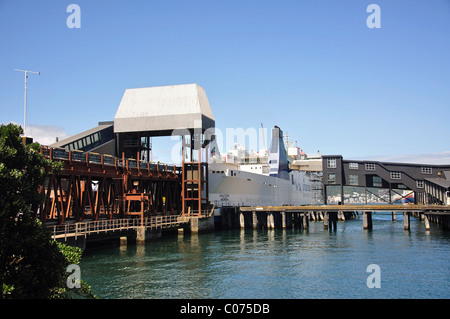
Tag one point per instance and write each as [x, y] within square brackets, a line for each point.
[180, 110]
[163, 109]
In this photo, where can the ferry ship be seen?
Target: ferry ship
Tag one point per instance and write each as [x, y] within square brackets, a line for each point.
[239, 178]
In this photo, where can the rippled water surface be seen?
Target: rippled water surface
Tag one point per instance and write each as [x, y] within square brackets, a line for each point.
[278, 264]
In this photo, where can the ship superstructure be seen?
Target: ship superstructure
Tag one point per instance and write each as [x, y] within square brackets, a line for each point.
[240, 178]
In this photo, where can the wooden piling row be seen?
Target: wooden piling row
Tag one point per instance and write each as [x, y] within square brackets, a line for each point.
[282, 220]
[285, 218]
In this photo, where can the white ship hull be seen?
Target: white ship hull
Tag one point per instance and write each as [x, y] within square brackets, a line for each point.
[263, 179]
[229, 186]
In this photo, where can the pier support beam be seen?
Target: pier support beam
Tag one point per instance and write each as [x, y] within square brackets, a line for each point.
[320, 216]
[394, 218]
[305, 221]
[297, 220]
[325, 219]
[270, 221]
[241, 220]
[332, 220]
[254, 220]
[283, 220]
[406, 221]
[140, 235]
[367, 220]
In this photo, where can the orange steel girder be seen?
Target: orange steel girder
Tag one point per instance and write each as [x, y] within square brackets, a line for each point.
[92, 189]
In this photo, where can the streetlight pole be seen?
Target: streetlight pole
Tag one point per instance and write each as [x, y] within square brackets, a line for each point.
[25, 100]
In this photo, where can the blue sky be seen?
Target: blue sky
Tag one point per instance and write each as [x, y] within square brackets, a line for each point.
[312, 67]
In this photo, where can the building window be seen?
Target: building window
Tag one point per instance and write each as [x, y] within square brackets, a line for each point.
[396, 175]
[427, 170]
[353, 179]
[331, 178]
[331, 162]
[420, 184]
[370, 166]
[353, 166]
[377, 181]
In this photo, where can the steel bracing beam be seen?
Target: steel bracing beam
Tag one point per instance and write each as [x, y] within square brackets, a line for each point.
[92, 186]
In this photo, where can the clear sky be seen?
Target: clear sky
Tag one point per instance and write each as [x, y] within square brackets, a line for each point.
[312, 67]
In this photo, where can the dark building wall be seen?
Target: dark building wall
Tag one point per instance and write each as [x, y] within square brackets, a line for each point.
[340, 172]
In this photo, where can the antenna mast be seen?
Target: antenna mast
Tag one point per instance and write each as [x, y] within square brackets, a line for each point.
[25, 100]
[262, 131]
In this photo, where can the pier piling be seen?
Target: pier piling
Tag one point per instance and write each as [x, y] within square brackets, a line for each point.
[255, 220]
[406, 220]
[427, 221]
[305, 221]
[332, 220]
[367, 220]
[298, 217]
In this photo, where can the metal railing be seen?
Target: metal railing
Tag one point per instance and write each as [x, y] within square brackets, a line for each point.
[91, 157]
[83, 229]
[201, 213]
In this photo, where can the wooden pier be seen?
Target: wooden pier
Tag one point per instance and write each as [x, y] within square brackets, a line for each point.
[299, 216]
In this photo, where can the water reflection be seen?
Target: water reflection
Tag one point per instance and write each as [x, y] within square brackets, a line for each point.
[278, 264]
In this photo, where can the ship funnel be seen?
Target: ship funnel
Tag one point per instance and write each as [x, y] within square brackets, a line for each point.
[278, 162]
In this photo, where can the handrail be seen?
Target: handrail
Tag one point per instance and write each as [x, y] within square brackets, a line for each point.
[82, 229]
[91, 157]
[202, 213]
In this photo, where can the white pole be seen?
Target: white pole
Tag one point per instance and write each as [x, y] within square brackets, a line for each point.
[25, 100]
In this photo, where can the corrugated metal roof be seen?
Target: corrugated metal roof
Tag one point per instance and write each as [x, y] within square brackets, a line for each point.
[439, 181]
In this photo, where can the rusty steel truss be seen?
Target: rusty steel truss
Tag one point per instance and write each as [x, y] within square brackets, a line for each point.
[93, 187]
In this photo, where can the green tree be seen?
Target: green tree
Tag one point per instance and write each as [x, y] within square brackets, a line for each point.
[72, 256]
[31, 264]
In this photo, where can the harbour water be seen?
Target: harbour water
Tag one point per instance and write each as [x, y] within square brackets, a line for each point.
[278, 264]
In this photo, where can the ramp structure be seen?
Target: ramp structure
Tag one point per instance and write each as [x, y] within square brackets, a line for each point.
[176, 110]
[160, 111]
[118, 180]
